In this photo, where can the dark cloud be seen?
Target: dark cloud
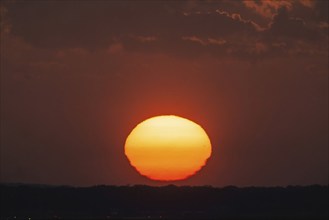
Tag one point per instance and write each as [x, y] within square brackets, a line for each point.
[284, 26]
[97, 24]
[267, 8]
[161, 24]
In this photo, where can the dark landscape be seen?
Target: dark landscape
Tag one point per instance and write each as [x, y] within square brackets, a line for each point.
[20, 201]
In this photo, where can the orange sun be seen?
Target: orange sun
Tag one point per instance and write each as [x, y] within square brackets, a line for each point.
[168, 148]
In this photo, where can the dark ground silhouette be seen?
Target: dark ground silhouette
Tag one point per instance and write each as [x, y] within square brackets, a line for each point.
[20, 201]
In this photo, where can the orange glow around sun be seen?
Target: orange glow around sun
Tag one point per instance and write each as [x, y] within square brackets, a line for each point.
[168, 148]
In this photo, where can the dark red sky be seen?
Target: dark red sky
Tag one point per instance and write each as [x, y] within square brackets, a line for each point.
[77, 76]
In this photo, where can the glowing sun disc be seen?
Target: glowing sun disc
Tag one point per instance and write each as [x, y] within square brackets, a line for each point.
[168, 148]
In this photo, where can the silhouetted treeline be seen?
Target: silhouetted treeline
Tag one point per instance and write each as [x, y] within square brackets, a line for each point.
[102, 202]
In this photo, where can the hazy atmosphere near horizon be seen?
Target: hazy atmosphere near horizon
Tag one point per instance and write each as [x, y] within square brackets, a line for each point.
[78, 76]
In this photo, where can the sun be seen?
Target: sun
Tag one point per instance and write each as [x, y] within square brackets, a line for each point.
[168, 148]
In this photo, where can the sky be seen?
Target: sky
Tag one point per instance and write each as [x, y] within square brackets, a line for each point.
[78, 76]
